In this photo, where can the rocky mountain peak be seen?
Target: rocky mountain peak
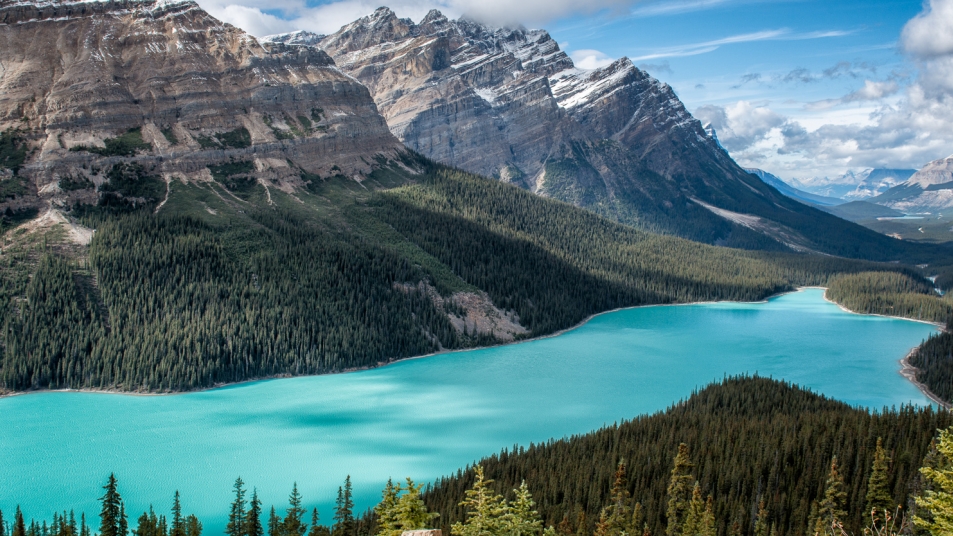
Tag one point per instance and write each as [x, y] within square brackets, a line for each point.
[165, 86]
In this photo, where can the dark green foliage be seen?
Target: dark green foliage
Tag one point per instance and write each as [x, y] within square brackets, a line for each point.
[239, 138]
[234, 176]
[13, 187]
[890, 293]
[344, 511]
[170, 136]
[50, 342]
[305, 122]
[132, 181]
[880, 501]
[10, 218]
[179, 292]
[12, 150]
[252, 523]
[236, 517]
[113, 515]
[934, 363]
[752, 439]
[69, 184]
[127, 144]
[316, 114]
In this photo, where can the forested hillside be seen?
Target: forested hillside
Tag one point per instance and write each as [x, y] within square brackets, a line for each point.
[750, 440]
[232, 279]
[891, 294]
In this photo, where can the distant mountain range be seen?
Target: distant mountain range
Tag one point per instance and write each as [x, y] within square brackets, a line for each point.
[854, 185]
[876, 193]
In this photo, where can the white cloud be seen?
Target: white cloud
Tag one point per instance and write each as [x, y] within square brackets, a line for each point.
[590, 59]
[930, 33]
[740, 125]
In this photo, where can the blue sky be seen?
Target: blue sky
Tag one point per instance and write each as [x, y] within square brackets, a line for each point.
[800, 88]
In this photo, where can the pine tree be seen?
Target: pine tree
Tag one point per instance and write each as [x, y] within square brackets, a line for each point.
[112, 516]
[344, 511]
[707, 525]
[880, 504]
[19, 527]
[386, 510]
[679, 491]
[694, 518]
[236, 517]
[274, 523]
[761, 526]
[292, 525]
[582, 524]
[521, 518]
[935, 505]
[3, 527]
[178, 525]
[485, 509]
[830, 510]
[253, 516]
[616, 517]
[411, 511]
[192, 526]
[316, 529]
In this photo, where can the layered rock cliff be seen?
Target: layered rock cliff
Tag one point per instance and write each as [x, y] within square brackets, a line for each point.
[163, 85]
[508, 103]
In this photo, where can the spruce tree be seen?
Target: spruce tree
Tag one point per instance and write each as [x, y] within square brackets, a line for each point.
[694, 518]
[112, 516]
[178, 524]
[679, 491]
[386, 510]
[521, 518]
[193, 527]
[484, 509]
[761, 526]
[344, 511]
[236, 517]
[3, 527]
[616, 517]
[317, 529]
[253, 516]
[292, 525]
[935, 505]
[880, 504]
[411, 511]
[19, 527]
[830, 511]
[274, 524]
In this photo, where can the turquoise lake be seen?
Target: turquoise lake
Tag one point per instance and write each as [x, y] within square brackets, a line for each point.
[427, 417]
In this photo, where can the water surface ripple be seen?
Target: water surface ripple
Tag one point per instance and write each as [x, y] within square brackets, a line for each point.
[427, 417]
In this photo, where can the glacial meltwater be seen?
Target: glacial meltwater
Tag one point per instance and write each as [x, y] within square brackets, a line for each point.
[427, 417]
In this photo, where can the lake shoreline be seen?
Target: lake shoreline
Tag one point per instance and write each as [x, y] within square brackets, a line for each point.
[907, 370]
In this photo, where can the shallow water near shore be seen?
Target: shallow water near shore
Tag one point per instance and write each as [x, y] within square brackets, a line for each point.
[428, 417]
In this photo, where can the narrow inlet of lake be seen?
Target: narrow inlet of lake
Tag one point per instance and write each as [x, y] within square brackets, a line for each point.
[427, 417]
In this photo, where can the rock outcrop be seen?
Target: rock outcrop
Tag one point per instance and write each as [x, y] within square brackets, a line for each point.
[928, 190]
[508, 103]
[165, 86]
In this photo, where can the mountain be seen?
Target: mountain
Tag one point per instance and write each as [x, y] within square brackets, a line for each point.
[508, 103]
[854, 185]
[928, 190]
[182, 206]
[792, 192]
[180, 91]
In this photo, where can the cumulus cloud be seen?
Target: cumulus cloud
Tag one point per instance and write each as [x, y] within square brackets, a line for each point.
[930, 34]
[907, 118]
[741, 125]
[590, 59]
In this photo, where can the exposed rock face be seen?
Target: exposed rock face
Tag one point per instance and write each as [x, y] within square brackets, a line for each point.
[198, 92]
[928, 190]
[509, 103]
